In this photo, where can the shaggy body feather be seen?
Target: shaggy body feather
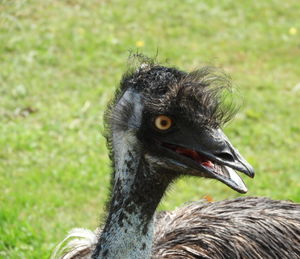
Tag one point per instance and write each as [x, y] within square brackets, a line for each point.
[247, 227]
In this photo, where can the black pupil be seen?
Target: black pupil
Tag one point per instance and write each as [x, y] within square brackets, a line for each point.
[164, 123]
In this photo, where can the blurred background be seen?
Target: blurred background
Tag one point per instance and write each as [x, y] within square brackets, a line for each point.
[60, 62]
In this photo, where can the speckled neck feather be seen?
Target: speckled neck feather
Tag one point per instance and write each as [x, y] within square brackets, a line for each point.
[129, 228]
[136, 192]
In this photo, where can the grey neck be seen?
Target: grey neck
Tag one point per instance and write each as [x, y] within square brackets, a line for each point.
[136, 193]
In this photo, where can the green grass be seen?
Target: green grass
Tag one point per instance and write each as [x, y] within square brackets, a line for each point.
[60, 62]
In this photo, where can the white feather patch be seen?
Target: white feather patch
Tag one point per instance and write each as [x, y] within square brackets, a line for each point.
[79, 243]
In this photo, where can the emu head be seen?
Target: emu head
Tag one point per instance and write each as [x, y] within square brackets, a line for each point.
[173, 120]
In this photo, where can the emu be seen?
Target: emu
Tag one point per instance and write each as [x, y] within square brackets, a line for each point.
[162, 124]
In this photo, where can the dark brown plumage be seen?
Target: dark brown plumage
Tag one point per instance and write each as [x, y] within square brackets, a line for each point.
[246, 227]
[146, 159]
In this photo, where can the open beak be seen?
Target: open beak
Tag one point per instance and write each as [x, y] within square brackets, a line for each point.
[213, 156]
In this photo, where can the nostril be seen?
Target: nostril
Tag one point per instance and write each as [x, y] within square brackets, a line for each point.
[225, 156]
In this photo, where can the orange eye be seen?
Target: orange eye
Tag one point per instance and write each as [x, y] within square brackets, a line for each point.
[163, 122]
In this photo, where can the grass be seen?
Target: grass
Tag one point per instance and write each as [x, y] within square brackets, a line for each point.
[60, 63]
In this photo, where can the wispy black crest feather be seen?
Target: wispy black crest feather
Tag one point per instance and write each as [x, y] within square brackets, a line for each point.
[169, 90]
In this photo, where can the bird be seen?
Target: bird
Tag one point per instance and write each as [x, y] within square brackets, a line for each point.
[162, 124]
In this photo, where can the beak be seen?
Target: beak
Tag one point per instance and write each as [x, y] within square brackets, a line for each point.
[226, 160]
[213, 155]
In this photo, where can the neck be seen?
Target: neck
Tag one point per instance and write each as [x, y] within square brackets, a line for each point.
[137, 191]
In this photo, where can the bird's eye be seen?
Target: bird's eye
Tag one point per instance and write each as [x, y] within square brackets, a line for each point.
[162, 122]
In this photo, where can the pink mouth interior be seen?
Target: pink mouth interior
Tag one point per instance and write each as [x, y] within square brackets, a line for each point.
[192, 154]
[195, 156]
